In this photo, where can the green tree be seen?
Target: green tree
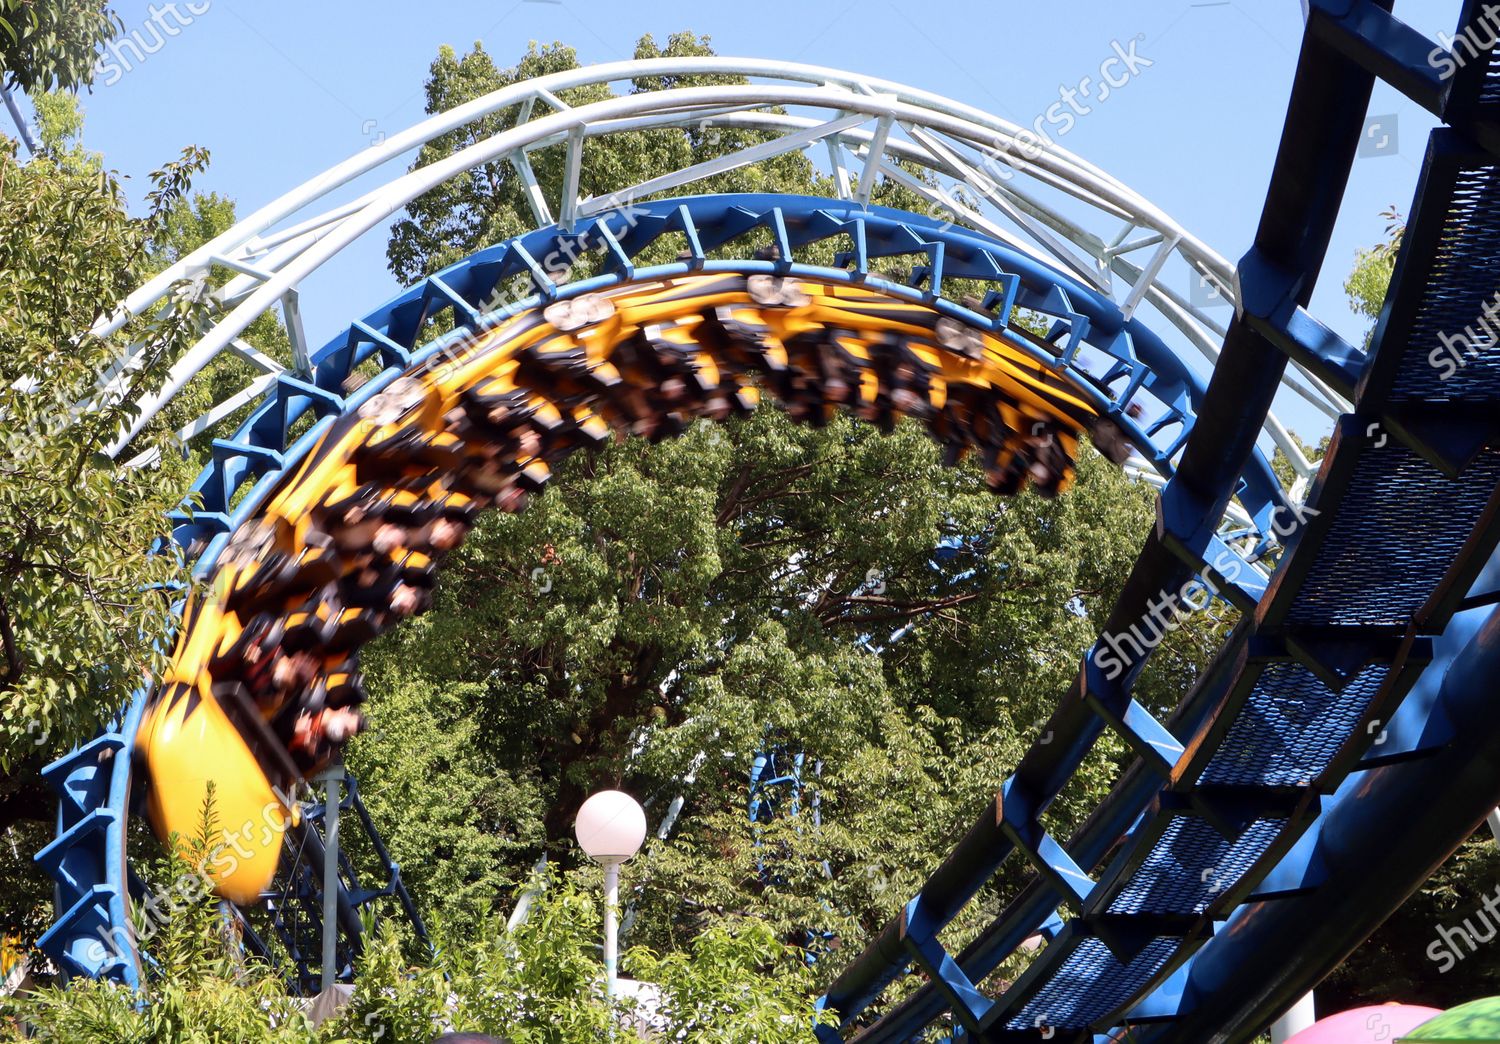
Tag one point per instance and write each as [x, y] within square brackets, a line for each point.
[541, 983]
[195, 992]
[84, 603]
[489, 203]
[50, 44]
[1373, 267]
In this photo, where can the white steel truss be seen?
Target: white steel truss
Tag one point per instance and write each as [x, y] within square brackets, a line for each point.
[983, 172]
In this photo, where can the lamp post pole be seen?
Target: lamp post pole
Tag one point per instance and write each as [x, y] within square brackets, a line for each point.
[611, 925]
[611, 827]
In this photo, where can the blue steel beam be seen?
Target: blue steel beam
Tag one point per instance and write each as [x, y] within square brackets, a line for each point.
[1277, 278]
[1325, 119]
[1227, 994]
[1432, 767]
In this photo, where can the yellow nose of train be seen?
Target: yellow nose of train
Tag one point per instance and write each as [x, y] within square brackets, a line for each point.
[264, 686]
[193, 746]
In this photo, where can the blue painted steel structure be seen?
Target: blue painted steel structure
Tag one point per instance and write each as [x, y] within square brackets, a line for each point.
[1193, 888]
[777, 782]
[1253, 808]
[87, 858]
[293, 910]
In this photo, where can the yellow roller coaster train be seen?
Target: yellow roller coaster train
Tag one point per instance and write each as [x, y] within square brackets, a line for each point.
[264, 686]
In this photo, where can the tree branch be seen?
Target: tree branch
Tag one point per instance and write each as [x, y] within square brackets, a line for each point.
[898, 610]
[13, 665]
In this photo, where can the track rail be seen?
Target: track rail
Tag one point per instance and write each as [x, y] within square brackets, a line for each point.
[1125, 372]
[987, 174]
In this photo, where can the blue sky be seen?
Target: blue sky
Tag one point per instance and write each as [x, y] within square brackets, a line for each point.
[279, 90]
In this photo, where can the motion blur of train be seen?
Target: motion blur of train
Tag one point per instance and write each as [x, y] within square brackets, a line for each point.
[264, 687]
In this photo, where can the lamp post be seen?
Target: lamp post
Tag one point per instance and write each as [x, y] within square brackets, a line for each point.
[610, 828]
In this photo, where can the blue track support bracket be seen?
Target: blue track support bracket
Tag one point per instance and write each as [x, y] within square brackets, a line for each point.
[92, 936]
[540, 278]
[1129, 365]
[1368, 34]
[1003, 302]
[1020, 824]
[292, 398]
[1309, 342]
[465, 313]
[361, 343]
[783, 242]
[619, 260]
[682, 221]
[1146, 737]
[1072, 324]
[1186, 528]
[919, 933]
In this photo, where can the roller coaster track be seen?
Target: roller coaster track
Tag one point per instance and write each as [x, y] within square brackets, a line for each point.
[1343, 725]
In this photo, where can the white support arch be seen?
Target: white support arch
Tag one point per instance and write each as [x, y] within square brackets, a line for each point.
[1035, 196]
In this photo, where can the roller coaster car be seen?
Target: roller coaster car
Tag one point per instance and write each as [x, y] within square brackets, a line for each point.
[264, 686]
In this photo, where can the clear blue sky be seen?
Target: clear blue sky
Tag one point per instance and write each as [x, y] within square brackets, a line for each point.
[279, 90]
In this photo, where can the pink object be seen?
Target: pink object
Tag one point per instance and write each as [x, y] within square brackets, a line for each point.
[1377, 1024]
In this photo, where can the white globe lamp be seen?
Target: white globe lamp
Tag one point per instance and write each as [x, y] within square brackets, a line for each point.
[610, 828]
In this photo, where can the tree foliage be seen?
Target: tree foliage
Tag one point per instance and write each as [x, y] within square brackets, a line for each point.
[537, 984]
[541, 984]
[1373, 267]
[489, 203]
[85, 606]
[196, 992]
[51, 44]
